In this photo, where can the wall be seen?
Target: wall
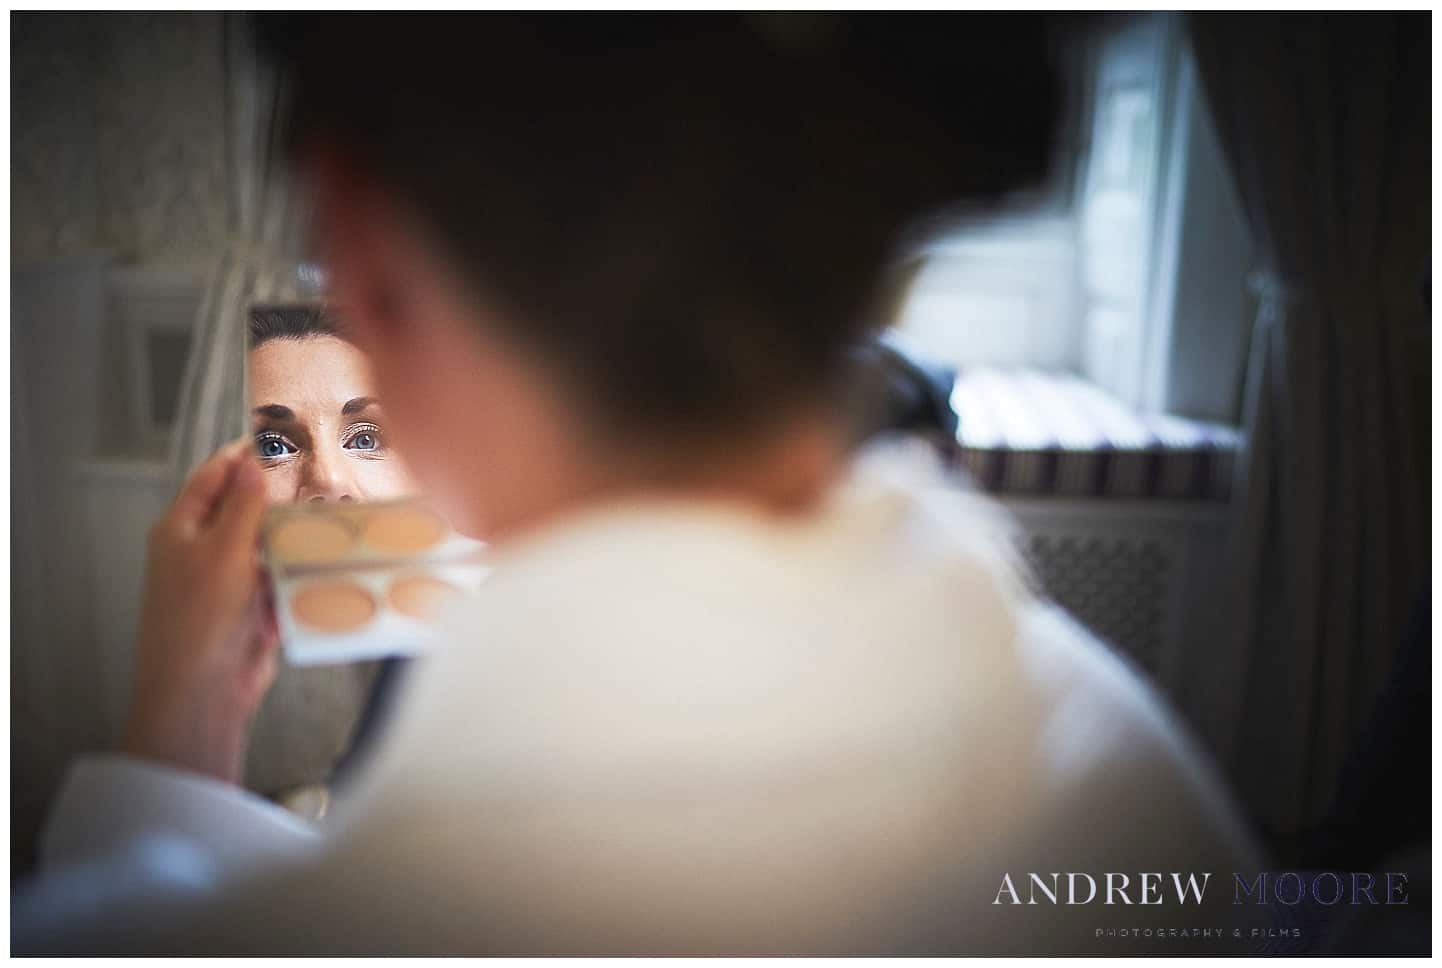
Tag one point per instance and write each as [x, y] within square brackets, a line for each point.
[117, 160]
[117, 137]
[121, 177]
[55, 691]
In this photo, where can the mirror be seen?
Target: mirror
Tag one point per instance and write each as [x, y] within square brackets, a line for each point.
[321, 437]
[359, 564]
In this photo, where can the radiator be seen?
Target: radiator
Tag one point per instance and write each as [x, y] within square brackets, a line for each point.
[1144, 576]
[1121, 516]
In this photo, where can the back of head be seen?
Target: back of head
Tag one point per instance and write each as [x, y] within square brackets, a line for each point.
[685, 217]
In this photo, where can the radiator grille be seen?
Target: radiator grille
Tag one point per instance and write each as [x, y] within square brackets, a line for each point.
[1117, 587]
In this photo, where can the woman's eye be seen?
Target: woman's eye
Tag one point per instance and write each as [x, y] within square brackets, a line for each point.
[365, 440]
[271, 448]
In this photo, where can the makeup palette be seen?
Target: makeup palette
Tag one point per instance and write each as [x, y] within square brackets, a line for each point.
[364, 581]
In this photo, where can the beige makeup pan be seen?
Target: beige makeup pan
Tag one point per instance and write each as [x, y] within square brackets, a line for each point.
[403, 531]
[421, 596]
[333, 606]
[310, 538]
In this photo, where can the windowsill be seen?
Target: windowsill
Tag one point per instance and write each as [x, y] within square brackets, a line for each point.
[1038, 432]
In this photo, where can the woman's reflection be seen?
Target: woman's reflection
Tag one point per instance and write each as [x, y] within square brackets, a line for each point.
[319, 430]
[321, 435]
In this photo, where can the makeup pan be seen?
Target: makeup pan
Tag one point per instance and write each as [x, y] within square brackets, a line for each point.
[311, 538]
[421, 596]
[364, 581]
[332, 606]
[404, 531]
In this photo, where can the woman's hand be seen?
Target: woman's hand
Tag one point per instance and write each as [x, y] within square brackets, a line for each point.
[207, 647]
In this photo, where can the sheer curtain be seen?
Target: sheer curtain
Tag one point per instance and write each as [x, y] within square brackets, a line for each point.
[309, 713]
[260, 263]
[1325, 121]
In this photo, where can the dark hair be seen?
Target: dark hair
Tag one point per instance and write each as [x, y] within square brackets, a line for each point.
[684, 216]
[292, 322]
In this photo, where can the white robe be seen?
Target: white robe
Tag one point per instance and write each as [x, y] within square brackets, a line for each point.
[682, 728]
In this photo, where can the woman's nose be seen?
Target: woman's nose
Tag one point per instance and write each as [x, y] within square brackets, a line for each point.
[327, 479]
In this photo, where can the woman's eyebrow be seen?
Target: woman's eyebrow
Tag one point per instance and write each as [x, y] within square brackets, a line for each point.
[356, 405]
[274, 411]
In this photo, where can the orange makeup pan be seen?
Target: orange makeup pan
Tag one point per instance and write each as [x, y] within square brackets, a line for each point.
[421, 596]
[332, 606]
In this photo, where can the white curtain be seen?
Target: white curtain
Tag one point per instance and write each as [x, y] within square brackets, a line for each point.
[261, 260]
[307, 718]
[1326, 131]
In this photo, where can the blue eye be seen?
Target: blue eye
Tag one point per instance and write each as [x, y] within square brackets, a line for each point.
[365, 440]
[273, 447]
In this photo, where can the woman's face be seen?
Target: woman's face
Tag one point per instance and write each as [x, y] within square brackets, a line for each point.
[319, 430]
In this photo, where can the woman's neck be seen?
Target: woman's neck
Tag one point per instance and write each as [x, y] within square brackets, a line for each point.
[787, 472]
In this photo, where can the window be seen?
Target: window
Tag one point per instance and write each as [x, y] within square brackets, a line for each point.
[1129, 273]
